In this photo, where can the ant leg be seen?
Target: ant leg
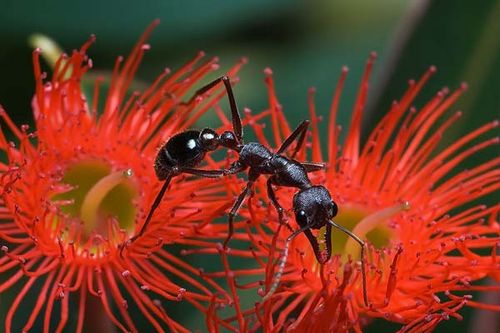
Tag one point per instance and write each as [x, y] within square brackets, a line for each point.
[276, 204]
[311, 166]
[299, 132]
[363, 245]
[204, 89]
[236, 207]
[217, 173]
[155, 205]
[234, 168]
[282, 263]
[235, 115]
[203, 173]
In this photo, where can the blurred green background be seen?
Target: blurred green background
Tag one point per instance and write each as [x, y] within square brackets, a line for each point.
[304, 42]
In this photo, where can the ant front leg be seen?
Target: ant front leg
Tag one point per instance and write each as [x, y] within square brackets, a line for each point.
[237, 204]
[272, 196]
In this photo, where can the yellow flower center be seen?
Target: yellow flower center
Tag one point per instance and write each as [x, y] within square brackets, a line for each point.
[97, 196]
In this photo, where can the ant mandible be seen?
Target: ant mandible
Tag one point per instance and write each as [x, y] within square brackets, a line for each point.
[312, 204]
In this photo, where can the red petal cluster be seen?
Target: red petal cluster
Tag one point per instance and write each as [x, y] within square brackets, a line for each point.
[50, 254]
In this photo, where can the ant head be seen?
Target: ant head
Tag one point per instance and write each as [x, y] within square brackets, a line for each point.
[228, 140]
[209, 139]
[314, 207]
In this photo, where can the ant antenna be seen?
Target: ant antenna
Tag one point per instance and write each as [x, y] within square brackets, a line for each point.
[363, 245]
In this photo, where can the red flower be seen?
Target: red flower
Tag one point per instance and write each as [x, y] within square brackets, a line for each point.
[429, 239]
[80, 185]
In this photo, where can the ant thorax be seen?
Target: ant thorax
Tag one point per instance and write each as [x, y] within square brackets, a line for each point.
[289, 173]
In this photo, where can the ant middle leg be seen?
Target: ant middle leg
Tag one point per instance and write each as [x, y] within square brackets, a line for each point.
[237, 205]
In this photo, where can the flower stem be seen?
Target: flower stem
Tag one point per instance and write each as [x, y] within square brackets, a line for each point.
[96, 320]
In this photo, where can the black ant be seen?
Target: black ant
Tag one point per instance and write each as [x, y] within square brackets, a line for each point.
[312, 204]
[186, 150]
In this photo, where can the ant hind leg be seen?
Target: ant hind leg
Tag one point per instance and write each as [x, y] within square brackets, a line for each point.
[235, 115]
[154, 206]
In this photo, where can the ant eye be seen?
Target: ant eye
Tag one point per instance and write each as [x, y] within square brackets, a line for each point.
[333, 209]
[301, 218]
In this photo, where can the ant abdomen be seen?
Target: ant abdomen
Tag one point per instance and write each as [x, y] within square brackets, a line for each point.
[181, 150]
